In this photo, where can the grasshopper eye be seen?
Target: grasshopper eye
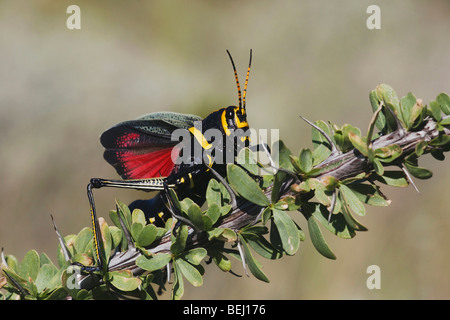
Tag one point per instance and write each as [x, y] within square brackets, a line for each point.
[230, 113]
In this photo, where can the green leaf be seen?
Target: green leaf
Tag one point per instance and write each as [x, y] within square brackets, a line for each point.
[337, 224]
[387, 95]
[29, 267]
[359, 143]
[281, 154]
[57, 294]
[213, 213]
[318, 240]
[195, 256]
[317, 138]
[154, 262]
[138, 216]
[435, 110]
[220, 260]
[293, 203]
[320, 154]
[83, 258]
[346, 143]
[179, 242]
[185, 204]
[352, 200]
[116, 236]
[438, 154]
[195, 215]
[386, 92]
[389, 153]
[254, 266]
[379, 169]
[247, 160]
[106, 239]
[375, 103]
[369, 194]
[82, 240]
[445, 121]
[349, 219]
[147, 235]
[124, 280]
[125, 213]
[287, 231]
[416, 113]
[253, 231]
[320, 191]
[115, 218]
[229, 235]
[329, 182]
[213, 193]
[306, 160]
[12, 263]
[222, 234]
[406, 105]
[225, 209]
[444, 102]
[44, 259]
[264, 248]
[189, 272]
[245, 186]
[420, 147]
[217, 194]
[440, 140]
[136, 229]
[277, 183]
[418, 172]
[393, 178]
[178, 285]
[44, 277]
[296, 164]
[83, 294]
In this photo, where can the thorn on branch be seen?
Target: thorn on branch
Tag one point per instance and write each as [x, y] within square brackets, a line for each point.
[334, 149]
[372, 124]
[19, 287]
[269, 156]
[168, 273]
[408, 177]
[241, 253]
[64, 249]
[331, 207]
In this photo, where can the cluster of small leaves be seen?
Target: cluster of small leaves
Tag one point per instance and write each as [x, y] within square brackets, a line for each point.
[345, 198]
[323, 197]
[407, 113]
[36, 276]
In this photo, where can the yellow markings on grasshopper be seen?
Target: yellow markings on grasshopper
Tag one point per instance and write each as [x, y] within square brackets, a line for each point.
[239, 123]
[200, 138]
[191, 181]
[210, 162]
[94, 230]
[224, 124]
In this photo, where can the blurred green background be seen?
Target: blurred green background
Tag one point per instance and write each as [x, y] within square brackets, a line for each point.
[60, 89]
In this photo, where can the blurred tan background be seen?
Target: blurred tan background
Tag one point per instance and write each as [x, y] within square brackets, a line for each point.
[60, 89]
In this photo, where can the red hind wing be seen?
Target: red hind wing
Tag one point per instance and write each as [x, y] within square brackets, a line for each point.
[138, 155]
